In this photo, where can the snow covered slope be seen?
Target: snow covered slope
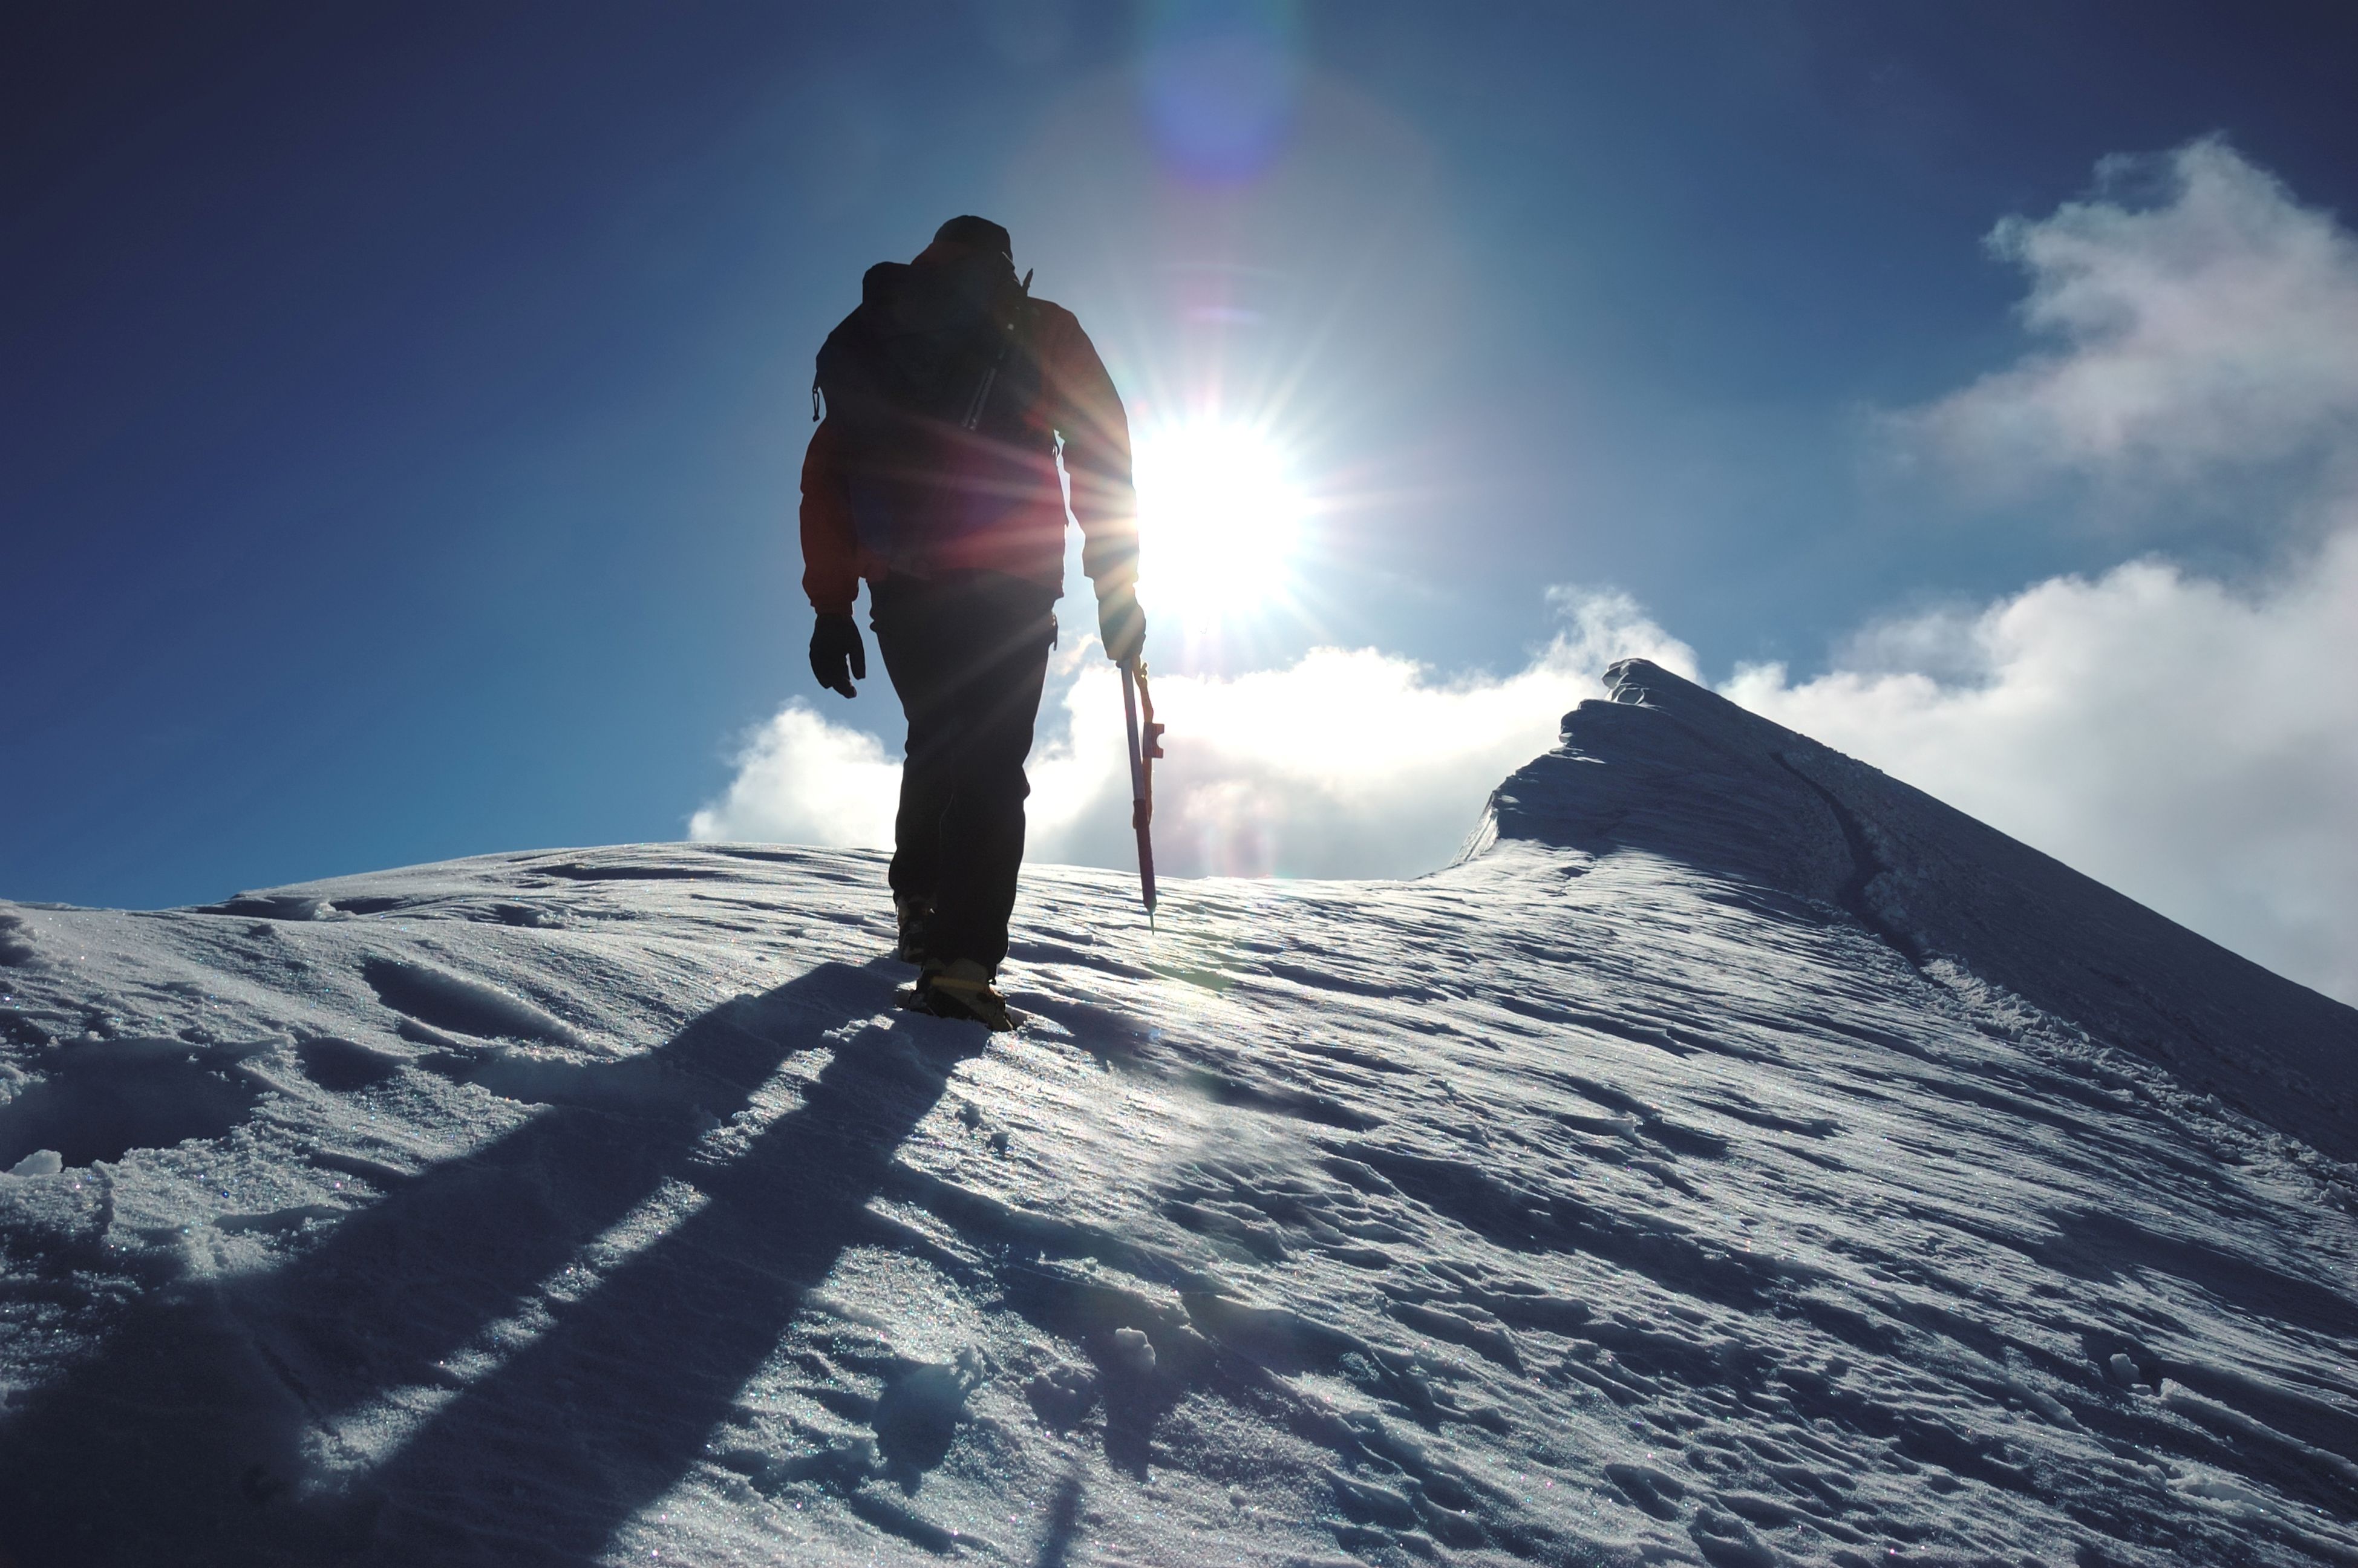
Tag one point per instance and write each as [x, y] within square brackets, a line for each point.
[1740, 1160]
[1672, 769]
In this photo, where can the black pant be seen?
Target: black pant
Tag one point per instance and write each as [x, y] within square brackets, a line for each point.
[967, 655]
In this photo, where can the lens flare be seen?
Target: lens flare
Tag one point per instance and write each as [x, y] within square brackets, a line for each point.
[1220, 80]
[1221, 517]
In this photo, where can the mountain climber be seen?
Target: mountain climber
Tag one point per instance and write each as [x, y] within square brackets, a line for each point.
[949, 396]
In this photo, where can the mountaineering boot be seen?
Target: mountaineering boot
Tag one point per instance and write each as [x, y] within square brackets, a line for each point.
[914, 912]
[961, 988]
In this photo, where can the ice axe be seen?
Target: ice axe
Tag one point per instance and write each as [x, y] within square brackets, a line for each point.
[1144, 748]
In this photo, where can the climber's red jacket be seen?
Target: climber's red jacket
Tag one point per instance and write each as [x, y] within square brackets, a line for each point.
[1020, 530]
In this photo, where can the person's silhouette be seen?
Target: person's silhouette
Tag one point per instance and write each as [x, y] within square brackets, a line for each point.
[949, 396]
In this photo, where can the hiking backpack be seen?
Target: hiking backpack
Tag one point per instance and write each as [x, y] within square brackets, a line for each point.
[934, 384]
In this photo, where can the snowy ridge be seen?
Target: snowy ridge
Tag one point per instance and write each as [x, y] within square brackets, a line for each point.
[1669, 768]
[1656, 1185]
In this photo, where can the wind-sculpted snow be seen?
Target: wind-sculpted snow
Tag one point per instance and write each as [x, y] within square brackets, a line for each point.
[1598, 1200]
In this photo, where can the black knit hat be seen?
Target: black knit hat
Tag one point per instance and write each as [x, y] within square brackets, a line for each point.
[980, 233]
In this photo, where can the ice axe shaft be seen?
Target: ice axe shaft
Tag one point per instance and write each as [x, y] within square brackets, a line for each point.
[1145, 745]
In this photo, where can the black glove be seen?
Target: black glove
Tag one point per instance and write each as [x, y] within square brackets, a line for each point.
[1121, 624]
[837, 655]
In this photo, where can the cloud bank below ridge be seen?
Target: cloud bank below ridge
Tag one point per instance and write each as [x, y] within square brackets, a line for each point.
[1349, 762]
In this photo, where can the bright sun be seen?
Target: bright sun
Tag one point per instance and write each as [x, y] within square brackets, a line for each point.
[1221, 515]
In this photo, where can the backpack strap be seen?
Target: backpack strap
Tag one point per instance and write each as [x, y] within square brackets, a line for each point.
[974, 410]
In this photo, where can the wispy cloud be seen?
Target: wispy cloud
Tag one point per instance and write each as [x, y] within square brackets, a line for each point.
[2184, 339]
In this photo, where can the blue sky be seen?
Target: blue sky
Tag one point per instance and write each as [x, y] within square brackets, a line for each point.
[403, 402]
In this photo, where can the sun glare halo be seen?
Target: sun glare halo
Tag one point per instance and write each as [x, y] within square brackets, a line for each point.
[1220, 516]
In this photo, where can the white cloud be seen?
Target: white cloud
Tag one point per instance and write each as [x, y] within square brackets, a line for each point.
[1346, 763]
[2194, 747]
[2192, 744]
[2188, 340]
[801, 779]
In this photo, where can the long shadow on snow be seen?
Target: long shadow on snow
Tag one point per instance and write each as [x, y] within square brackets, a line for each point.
[612, 1405]
[177, 1442]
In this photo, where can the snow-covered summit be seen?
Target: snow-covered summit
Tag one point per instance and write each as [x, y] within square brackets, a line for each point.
[1737, 1161]
[1669, 768]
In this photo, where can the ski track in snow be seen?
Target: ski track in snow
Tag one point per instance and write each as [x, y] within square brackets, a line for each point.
[1562, 1207]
